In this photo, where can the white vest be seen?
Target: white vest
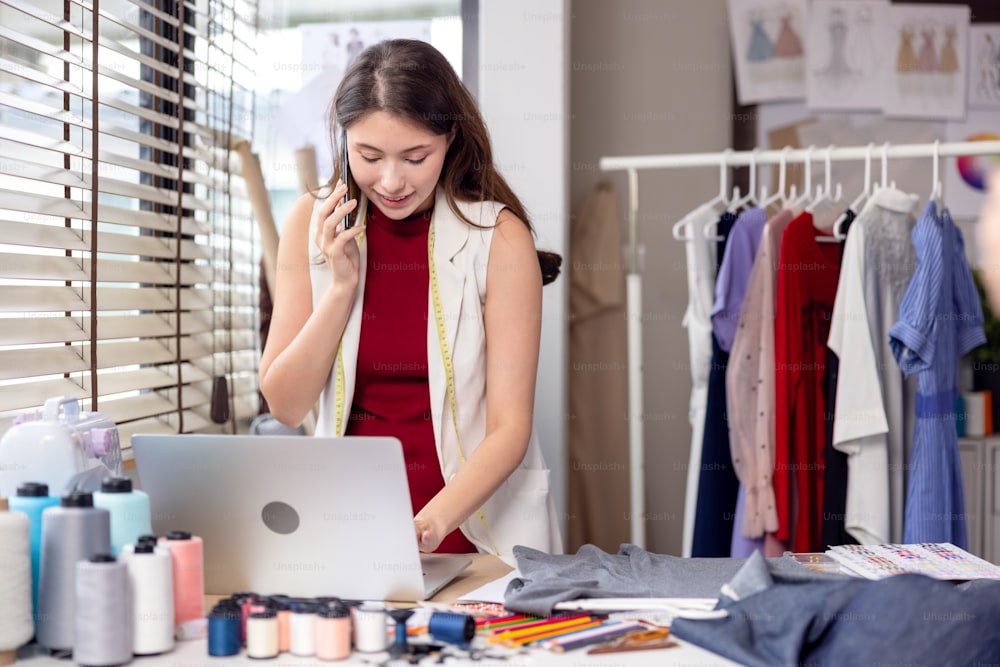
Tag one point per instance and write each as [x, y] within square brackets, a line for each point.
[521, 511]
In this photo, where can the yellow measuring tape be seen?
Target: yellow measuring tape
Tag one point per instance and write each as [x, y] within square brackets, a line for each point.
[449, 370]
[339, 391]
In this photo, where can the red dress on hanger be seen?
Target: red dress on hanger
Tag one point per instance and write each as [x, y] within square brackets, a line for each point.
[806, 288]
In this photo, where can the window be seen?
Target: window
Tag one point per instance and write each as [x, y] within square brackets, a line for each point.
[128, 254]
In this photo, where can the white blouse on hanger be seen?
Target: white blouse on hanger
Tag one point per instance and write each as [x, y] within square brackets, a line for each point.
[701, 259]
[873, 417]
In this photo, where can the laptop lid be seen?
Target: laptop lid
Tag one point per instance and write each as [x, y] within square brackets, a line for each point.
[300, 516]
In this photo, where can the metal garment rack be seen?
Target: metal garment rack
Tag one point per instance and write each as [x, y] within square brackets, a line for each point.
[634, 163]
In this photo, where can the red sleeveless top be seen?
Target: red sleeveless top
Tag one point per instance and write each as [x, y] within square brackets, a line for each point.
[391, 394]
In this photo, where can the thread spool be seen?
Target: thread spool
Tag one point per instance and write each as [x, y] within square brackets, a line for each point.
[74, 530]
[150, 570]
[262, 635]
[284, 609]
[333, 632]
[103, 617]
[369, 628]
[246, 602]
[189, 579]
[224, 636]
[302, 629]
[452, 628]
[32, 499]
[130, 514]
[16, 625]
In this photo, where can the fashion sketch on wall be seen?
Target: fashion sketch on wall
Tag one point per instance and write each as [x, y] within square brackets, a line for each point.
[984, 66]
[926, 47]
[843, 68]
[768, 51]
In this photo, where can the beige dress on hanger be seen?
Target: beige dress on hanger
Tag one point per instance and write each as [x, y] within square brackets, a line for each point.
[598, 470]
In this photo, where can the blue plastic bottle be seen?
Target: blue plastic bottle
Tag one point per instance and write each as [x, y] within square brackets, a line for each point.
[31, 499]
[129, 508]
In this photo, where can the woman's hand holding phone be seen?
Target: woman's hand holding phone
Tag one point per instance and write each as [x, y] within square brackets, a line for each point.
[339, 245]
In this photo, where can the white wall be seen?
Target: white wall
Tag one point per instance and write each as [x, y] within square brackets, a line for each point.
[653, 76]
[523, 78]
[666, 88]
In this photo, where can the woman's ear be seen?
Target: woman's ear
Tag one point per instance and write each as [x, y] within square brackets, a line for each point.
[452, 133]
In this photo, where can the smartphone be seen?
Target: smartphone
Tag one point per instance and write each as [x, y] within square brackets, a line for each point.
[345, 176]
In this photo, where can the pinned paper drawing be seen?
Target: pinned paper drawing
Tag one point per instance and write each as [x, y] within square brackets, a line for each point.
[928, 45]
[984, 66]
[768, 52]
[843, 60]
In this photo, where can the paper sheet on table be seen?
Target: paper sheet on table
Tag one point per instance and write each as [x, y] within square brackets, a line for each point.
[491, 592]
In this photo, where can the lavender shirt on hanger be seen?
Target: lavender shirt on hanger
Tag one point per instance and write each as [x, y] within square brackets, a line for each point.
[734, 274]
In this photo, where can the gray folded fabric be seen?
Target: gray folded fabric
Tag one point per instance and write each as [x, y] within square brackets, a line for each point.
[634, 572]
[752, 577]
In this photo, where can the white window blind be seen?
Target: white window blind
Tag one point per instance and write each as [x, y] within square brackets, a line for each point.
[128, 255]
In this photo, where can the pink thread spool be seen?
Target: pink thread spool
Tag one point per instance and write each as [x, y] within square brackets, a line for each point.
[333, 632]
[189, 578]
[284, 625]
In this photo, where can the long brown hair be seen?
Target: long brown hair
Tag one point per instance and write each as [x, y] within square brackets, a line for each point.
[413, 80]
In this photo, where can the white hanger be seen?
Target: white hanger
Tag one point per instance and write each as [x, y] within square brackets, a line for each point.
[936, 182]
[861, 197]
[800, 202]
[721, 198]
[779, 194]
[823, 192]
[736, 201]
[885, 167]
[750, 197]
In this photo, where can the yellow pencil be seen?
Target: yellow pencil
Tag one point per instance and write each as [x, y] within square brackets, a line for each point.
[521, 641]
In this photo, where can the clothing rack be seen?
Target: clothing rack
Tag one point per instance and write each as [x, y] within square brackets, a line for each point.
[632, 164]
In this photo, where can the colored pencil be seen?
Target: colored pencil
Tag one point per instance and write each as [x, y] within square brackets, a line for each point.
[538, 622]
[598, 635]
[539, 626]
[502, 621]
[601, 630]
[555, 632]
[552, 630]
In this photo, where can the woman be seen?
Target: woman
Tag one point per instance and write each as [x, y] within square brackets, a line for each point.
[425, 352]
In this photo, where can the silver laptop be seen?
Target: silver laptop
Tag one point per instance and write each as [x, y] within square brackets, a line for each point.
[293, 515]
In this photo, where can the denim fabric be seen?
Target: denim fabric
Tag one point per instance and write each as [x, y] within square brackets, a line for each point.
[904, 619]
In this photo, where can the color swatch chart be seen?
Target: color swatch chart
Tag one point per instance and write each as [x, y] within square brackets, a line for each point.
[939, 560]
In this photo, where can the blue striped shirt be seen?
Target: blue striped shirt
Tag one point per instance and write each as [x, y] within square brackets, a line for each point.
[940, 320]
